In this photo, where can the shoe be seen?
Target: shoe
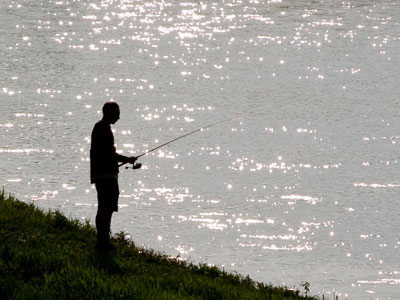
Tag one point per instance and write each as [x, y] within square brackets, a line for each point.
[106, 247]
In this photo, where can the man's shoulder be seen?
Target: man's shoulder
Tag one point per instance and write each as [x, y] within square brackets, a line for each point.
[100, 125]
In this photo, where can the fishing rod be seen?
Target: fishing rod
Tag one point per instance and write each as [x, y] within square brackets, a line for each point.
[136, 166]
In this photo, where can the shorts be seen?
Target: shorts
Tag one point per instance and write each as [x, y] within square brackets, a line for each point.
[107, 193]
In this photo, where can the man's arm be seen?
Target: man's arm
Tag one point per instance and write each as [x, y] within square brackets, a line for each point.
[126, 159]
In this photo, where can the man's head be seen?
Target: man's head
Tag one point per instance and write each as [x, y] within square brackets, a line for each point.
[111, 112]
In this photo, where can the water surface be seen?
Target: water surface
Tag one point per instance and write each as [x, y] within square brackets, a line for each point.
[303, 188]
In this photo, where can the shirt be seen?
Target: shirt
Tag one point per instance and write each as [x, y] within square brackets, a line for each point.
[103, 155]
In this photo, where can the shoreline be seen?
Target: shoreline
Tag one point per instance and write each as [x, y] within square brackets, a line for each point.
[45, 255]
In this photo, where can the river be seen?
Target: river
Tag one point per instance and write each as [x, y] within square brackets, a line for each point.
[303, 187]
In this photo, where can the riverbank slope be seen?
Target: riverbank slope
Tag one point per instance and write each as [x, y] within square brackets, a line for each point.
[44, 255]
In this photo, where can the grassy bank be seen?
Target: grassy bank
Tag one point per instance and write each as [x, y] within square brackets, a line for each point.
[47, 256]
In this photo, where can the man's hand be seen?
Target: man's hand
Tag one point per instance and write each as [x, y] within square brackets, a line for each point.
[132, 160]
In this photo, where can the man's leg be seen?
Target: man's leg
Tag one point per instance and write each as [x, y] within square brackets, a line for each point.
[107, 195]
[103, 224]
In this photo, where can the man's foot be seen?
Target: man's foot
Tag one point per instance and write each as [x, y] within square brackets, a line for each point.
[106, 247]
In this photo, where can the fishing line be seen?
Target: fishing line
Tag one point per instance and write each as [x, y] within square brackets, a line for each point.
[182, 136]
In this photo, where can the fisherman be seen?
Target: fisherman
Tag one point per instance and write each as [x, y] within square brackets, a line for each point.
[104, 172]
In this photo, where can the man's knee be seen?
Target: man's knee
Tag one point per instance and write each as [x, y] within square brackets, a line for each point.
[103, 217]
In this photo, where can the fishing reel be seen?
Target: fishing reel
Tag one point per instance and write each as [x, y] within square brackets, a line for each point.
[135, 166]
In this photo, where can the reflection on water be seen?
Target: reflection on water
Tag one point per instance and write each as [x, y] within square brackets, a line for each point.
[307, 178]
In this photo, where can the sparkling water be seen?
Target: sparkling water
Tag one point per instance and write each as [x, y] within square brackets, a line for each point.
[303, 187]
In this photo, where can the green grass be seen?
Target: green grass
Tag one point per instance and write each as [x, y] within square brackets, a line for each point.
[47, 256]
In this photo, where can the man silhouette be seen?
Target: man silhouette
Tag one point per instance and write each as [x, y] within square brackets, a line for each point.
[104, 172]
